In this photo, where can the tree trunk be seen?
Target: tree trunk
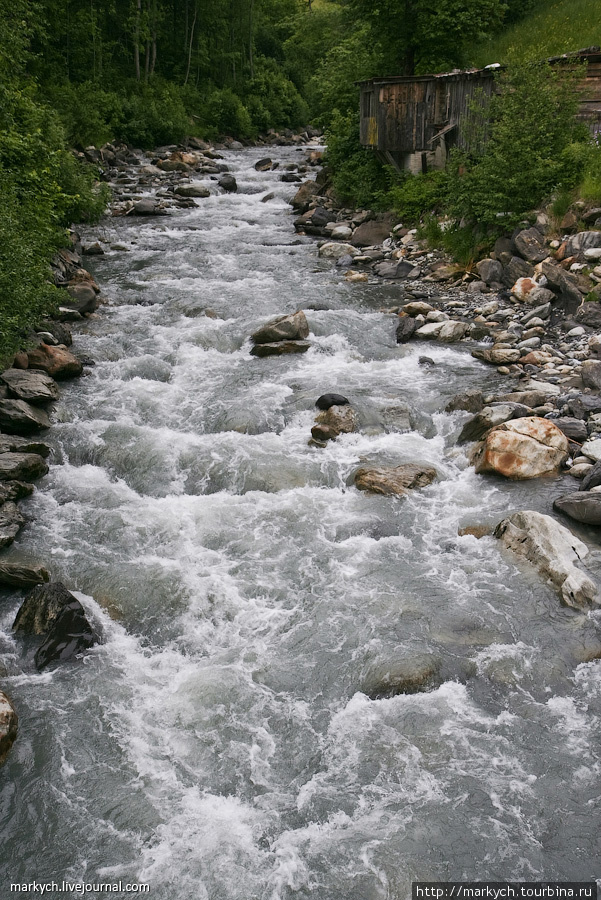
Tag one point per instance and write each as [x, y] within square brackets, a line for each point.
[137, 38]
[250, 40]
[190, 45]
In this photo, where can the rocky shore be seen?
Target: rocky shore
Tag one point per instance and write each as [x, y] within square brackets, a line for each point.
[532, 310]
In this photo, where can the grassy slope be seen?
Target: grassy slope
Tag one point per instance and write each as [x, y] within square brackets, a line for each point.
[556, 27]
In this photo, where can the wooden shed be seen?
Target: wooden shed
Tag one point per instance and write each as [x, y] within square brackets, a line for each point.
[413, 121]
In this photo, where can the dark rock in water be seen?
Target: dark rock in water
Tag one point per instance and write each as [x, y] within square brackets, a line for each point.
[489, 417]
[14, 490]
[263, 165]
[21, 466]
[470, 401]
[8, 726]
[574, 429]
[11, 522]
[17, 575]
[333, 421]
[290, 178]
[14, 444]
[18, 417]
[71, 633]
[42, 607]
[228, 183]
[409, 676]
[591, 479]
[30, 385]
[285, 328]
[280, 348]
[322, 216]
[268, 197]
[82, 298]
[327, 400]
[148, 207]
[405, 329]
[583, 506]
[426, 361]
[397, 480]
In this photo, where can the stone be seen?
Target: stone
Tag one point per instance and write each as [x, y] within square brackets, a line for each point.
[70, 634]
[584, 240]
[540, 297]
[82, 298]
[589, 314]
[394, 480]
[41, 608]
[574, 429]
[14, 490]
[341, 233]
[22, 575]
[58, 362]
[521, 449]
[592, 449]
[591, 374]
[417, 308]
[582, 406]
[582, 506]
[228, 184]
[327, 400]
[280, 348]
[592, 479]
[490, 271]
[497, 356]
[18, 417]
[516, 268]
[12, 443]
[470, 401]
[336, 420]
[11, 522]
[565, 284]
[594, 346]
[285, 328]
[21, 466]
[405, 329]
[264, 165]
[192, 190]
[335, 250]
[530, 244]
[30, 385]
[392, 268]
[304, 195]
[406, 676]
[150, 207]
[368, 234]
[489, 417]
[451, 332]
[523, 288]
[554, 551]
[429, 331]
[580, 470]
[8, 726]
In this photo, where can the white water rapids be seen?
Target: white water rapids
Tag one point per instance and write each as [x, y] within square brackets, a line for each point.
[220, 744]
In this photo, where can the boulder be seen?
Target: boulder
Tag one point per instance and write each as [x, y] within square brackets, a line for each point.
[335, 250]
[192, 190]
[264, 165]
[341, 233]
[14, 444]
[82, 298]
[540, 297]
[328, 400]
[334, 421]
[58, 362]
[8, 726]
[284, 328]
[397, 480]
[553, 550]
[280, 348]
[498, 356]
[150, 207]
[451, 332]
[584, 240]
[70, 633]
[591, 374]
[417, 308]
[392, 268]
[368, 234]
[489, 417]
[14, 490]
[11, 522]
[18, 417]
[574, 429]
[30, 385]
[304, 195]
[592, 478]
[429, 331]
[530, 244]
[406, 676]
[41, 608]
[405, 329]
[592, 448]
[564, 284]
[228, 184]
[21, 466]
[582, 506]
[23, 575]
[522, 448]
[523, 288]
[470, 401]
[582, 406]
[490, 271]
[516, 268]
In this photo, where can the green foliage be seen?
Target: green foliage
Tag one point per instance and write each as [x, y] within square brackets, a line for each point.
[90, 114]
[153, 114]
[272, 99]
[418, 195]
[332, 87]
[531, 124]
[359, 179]
[224, 113]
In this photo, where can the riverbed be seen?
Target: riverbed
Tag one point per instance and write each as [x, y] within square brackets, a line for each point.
[222, 742]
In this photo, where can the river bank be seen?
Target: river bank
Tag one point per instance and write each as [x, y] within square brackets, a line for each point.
[252, 602]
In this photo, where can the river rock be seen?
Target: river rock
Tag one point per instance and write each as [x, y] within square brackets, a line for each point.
[405, 329]
[592, 479]
[304, 195]
[591, 374]
[58, 362]
[328, 400]
[18, 417]
[417, 308]
[584, 240]
[397, 480]
[285, 328]
[332, 422]
[502, 356]
[8, 726]
[281, 348]
[23, 575]
[553, 550]
[41, 608]
[12, 443]
[583, 506]
[406, 676]
[70, 633]
[574, 429]
[83, 298]
[516, 268]
[522, 448]
[335, 250]
[470, 401]
[489, 417]
[192, 190]
[228, 183]
[592, 449]
[580, 470]
[11, 522]
[368, 234]
[14, 490]
[21, 466]
[490, 271]
[392, 268]
[30, 385]
[530, 244]
[451, 332]
[264, 165]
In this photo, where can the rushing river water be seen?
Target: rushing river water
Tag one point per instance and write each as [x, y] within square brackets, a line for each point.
[220, 744]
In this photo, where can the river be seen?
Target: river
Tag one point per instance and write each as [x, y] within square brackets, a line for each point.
[220, 742]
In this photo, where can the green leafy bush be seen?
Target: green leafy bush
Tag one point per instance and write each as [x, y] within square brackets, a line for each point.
[359, 178]
[224, 113]
[153, 114]
[272, 99]
[417, 195]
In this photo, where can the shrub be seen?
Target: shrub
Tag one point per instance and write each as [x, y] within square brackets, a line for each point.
[224, 113]
[153, 114]
[358, 178]
[417, 195]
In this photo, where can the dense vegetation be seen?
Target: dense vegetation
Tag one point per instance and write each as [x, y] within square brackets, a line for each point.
[148, 72]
